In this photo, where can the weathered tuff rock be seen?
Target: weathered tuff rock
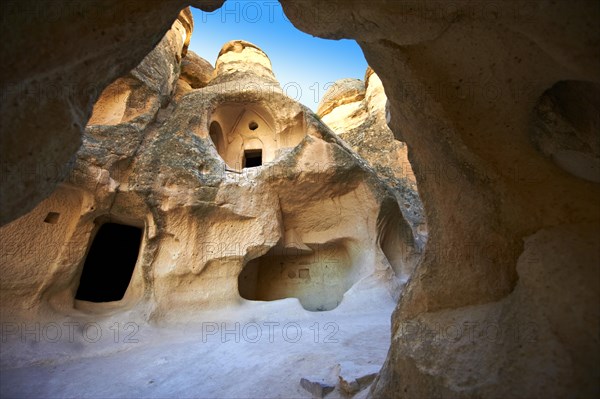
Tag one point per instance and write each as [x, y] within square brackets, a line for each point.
[310, 220]
[565, 125]
[239, 59]
[462, 82]
[355, 111]
[59, 58]
[136, 97]
[196, 71]
[342, 92]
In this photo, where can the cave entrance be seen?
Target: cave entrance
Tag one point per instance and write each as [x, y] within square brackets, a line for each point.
[109, 263]
[252, 158]
[318, 277]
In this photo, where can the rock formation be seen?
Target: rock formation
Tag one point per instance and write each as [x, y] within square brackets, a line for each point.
[61, 59]
[356, 112]
[464, 84]
[203, 190]
[236, 192]
[511, 206]
[196, 71]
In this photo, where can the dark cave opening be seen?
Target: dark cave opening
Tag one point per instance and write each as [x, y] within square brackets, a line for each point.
[252, 158]
[318, 277]
[109, 263]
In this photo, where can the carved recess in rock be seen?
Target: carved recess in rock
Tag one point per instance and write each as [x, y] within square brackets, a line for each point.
[138, 96]
[317, 275]
[566, 127]
[241, 130]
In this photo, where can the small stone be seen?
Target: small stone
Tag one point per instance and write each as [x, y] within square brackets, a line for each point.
[316, 386]
[354, 377]
[350, 387]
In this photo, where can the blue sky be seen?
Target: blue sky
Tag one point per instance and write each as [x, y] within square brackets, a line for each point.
[303, 64]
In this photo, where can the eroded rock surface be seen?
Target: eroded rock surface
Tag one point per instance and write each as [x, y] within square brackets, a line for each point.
[56, 69]
[240, 196]
[196, 71]
[564, 127]
[463, 84]
[232, 199]
[356, 112]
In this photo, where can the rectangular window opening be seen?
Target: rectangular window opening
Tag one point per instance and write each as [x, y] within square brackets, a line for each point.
[252, 158]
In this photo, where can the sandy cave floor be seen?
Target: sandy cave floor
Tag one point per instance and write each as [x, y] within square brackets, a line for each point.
[201, 359]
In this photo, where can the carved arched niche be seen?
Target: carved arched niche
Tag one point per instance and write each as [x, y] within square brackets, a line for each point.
[246, 135]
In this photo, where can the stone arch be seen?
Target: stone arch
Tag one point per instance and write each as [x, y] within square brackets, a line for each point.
[239, 127]
[216, 135]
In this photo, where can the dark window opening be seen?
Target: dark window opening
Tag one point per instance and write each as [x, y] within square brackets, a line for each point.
[109, 263]
[52, 217]
[252, 158]
[253, 125]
